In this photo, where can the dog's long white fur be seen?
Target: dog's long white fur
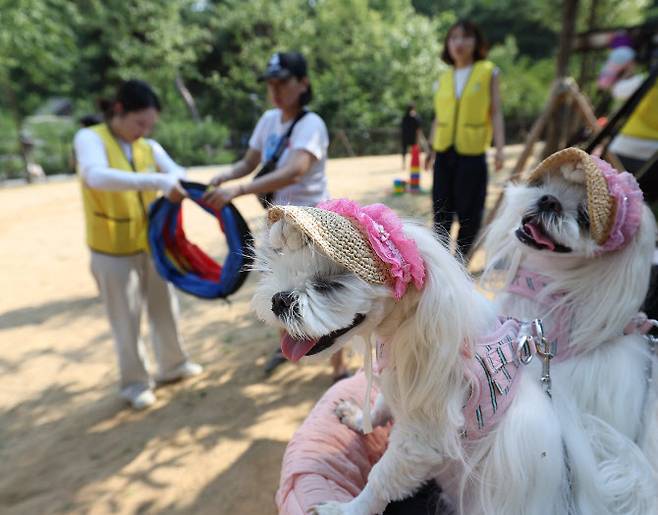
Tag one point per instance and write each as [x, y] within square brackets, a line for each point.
[604, 388]
[519, 468]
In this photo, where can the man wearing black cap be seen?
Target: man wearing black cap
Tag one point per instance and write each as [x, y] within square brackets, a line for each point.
[290, 143]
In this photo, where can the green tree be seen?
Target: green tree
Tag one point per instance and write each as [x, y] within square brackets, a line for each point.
[37, 55]
[155, 40]
[366, 59]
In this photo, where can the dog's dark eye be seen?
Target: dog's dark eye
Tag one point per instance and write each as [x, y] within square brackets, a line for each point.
[326, 285]
[583, 216]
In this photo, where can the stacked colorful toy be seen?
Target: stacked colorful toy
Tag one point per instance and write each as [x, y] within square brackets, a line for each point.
[399, 186]
[414, 180]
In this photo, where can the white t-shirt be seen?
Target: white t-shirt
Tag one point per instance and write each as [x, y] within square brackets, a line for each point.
[96, 172]
[461, 75]
[310, 134]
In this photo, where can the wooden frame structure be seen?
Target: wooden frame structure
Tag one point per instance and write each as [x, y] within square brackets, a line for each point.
[564, 92]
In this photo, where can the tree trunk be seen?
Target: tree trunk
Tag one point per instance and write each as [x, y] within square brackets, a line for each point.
[560, 121]
[587, 62]
[187, 98]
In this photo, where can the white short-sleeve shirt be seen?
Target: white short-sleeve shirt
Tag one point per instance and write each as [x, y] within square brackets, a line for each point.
[310, 134]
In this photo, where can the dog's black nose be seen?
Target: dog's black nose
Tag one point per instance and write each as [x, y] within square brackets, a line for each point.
[281, 302]
[550, 204]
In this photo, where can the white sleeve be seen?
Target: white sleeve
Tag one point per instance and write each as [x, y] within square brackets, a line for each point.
[257, 139]
[310, 134]
[96, 172]
[624, 88]
[164, 162]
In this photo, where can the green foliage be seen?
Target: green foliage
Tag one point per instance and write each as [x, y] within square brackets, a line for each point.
[8, 136]
[149, 39]
[37, 51]
[190, 143]
[524, 82]
[52, 137]
[367, 60]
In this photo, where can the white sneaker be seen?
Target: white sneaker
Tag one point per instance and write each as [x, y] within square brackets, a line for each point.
[182, 371]
[139, 396]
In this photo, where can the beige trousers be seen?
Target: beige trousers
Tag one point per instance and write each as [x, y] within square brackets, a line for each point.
[125, 284]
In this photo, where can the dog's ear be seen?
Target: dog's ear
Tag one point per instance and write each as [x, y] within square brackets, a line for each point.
[285, 235]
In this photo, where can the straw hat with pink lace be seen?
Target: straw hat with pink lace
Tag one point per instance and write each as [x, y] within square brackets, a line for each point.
[614, 199]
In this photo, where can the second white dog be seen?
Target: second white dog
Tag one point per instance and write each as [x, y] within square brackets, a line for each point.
[575, 244]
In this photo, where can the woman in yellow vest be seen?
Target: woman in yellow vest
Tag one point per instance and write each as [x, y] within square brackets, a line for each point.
[467, 112]
[121, 173]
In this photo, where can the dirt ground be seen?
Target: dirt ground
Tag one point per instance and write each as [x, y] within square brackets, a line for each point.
[212, 444]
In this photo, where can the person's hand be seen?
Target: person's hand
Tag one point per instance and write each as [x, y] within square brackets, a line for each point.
[429, 160]
[499, 160]
[177, 193]
[219, 197]
[218, 179]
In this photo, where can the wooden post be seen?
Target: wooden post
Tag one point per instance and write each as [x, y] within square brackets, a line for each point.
[346, 142]
[187, 97]
[559, 120]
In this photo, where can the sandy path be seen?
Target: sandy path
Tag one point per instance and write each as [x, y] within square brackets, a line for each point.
[210, 445]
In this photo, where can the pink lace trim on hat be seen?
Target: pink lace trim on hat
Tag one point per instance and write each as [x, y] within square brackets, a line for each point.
[386, 237]
[625, 191]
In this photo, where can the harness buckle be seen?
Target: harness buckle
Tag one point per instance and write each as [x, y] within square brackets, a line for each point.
[524, 349]
[547, 351]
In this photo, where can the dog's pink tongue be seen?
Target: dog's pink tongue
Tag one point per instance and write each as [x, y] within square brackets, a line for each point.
[294, 350]
[539, 236]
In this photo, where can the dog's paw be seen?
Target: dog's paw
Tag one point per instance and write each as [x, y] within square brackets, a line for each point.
[350, 414]
[330, 508]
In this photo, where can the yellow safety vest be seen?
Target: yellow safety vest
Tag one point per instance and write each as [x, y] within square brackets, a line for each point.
[464, 122]
[643, 123]
[117, 220]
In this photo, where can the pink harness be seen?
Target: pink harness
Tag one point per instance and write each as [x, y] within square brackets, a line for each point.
[530, 285]
[493, 373]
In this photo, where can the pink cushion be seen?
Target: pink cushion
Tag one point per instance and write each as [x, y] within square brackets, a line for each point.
[325, 460]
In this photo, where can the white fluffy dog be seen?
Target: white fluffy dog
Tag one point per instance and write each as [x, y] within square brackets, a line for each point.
[574, 245]
[331, 274]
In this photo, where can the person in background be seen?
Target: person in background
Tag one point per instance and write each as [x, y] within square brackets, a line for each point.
[637, 140]
[298, 175]
[467, 112]
[411, 131]
[121, 173]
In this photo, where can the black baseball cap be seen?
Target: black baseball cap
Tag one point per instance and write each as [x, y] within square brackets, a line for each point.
[283, 65]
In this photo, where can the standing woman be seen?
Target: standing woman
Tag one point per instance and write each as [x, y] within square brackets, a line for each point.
[467, 110]
[121, 174]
